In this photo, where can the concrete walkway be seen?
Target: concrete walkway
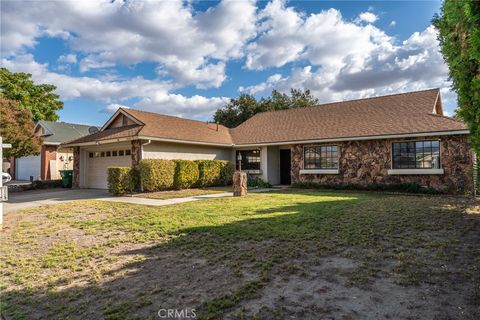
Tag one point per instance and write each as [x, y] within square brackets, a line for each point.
[36, 198]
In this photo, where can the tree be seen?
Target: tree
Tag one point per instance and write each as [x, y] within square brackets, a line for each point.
[17, 128]
[459, 36]
[240, 109]
[39, 99]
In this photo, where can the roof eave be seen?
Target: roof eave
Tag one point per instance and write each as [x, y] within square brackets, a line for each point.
[374, 137]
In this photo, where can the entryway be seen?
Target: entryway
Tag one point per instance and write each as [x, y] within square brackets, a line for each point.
[285, 166]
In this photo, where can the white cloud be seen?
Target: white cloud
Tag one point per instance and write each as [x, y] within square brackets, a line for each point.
[368, 17]
[68, 58]
[393, 23]
[154, 95]
[113, 107]
[324, 38]
[415, 64]
[169, 33]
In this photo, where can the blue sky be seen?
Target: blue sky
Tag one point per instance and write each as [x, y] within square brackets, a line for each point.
[189, 58]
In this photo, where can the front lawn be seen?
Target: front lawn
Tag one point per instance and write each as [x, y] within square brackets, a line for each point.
[289, 254]
[171, 194]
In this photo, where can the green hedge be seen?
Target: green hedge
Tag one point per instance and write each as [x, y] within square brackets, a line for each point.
[186, 174]
[121, 180]
[46, 184]
[396, 187]
[226, 173]
[214, 173]
[157, 174]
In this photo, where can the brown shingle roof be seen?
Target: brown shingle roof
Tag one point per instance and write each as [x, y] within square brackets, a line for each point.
[404, 113]
[175, 128]
[395, 114]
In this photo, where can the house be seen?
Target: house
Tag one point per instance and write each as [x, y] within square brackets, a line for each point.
[400, 138]
[53, 157]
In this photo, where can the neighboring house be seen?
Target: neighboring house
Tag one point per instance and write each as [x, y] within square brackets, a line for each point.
[52, 157]
[399, 138]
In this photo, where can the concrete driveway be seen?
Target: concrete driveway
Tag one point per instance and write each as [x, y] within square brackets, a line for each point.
[36, 198]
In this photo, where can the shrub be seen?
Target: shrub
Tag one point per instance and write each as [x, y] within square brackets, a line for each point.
[395, 187]
[157, 174]
[122, 180]
[226, 173]
[186, 174]
[214, 173]
[208, 173]
[256, 182]
[46, 184]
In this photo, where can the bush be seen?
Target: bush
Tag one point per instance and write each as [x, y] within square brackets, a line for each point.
[395, 187]
[208, 173]
[214, 173]
[46, 184]
[186, 174]
[157, 174]
[121, 180]
[257, 183]
[226, 173]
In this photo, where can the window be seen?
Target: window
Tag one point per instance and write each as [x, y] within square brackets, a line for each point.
[321, 157]
[114, 153]
[108, 154]
[120, 153]
[97, 154]
[90, 154]
[127, 152]
[416, 155]
[250, 159]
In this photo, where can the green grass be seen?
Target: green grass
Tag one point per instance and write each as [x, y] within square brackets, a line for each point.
[163, 195]
[108, 259]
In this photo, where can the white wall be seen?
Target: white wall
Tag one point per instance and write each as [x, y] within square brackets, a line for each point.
[171, 151]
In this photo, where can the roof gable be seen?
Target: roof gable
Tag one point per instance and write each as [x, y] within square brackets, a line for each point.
[121, 118]
[59, 132]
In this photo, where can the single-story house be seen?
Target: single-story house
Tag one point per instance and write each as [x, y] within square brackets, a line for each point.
[53, 157]
[399, 138]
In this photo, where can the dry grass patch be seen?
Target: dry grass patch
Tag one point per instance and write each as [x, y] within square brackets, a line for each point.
[302, 254]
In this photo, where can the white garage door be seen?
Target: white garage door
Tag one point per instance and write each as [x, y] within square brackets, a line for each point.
[99, 161]
[27, 167]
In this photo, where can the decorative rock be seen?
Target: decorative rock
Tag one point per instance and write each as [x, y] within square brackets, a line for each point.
[239, 184]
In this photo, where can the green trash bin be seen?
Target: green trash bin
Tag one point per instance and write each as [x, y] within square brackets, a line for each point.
[67, 177]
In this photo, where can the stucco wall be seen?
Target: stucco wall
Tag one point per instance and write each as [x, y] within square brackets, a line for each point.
[366, 162]
[170, 151]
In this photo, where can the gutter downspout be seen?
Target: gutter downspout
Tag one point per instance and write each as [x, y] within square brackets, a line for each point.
[141, 157]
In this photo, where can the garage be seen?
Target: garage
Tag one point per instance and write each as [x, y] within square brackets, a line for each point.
[27, 167]
[99, 161]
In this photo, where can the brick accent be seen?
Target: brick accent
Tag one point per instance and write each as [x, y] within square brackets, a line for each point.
[47, 153]
[366, 162]
[76, 168]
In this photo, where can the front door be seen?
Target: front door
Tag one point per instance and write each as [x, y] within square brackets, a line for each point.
[285, 167]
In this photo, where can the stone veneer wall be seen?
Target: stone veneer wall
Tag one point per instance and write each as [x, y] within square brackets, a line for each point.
[136, 153]
[367, 162]
[76, 168]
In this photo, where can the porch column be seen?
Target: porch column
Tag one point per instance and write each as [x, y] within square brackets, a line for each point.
[136, 153]
[136, 157]
[76, 168]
